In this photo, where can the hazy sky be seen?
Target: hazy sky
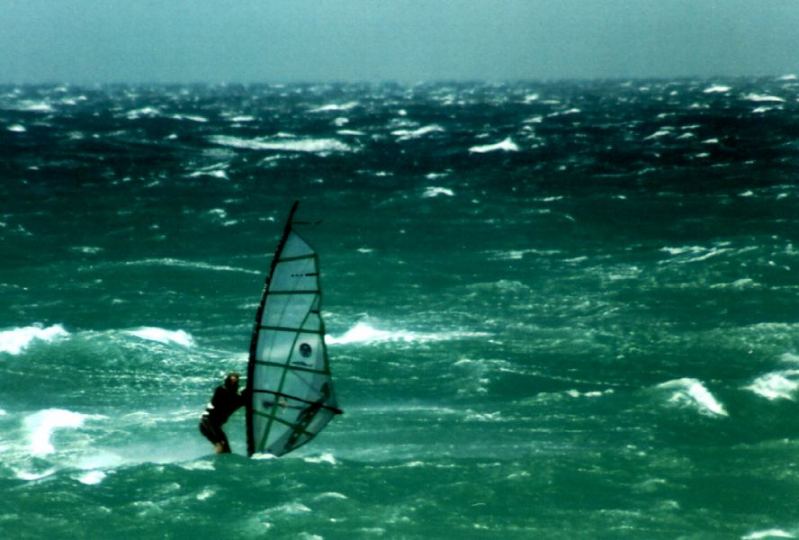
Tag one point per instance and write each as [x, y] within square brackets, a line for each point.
[89, 41]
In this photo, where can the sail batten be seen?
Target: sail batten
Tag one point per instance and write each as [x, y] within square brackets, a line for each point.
[292, 396]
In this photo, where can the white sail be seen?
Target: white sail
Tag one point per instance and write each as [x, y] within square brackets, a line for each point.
[292, 397]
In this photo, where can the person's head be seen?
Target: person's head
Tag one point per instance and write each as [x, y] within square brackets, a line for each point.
[232, 381]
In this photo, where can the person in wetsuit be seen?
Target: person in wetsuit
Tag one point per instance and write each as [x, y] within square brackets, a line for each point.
[226, 401]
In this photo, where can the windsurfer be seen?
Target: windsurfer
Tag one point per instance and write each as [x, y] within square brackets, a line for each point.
[226, 401]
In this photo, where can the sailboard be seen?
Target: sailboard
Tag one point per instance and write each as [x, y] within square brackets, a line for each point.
[291, 395]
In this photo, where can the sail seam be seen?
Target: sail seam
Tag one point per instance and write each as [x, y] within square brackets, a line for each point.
[296, 257]
[288, 366]
[287, 329]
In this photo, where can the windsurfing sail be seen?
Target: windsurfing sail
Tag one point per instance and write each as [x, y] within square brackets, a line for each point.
[288, 373]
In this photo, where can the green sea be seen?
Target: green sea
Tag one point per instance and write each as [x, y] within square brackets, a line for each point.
[553, 309]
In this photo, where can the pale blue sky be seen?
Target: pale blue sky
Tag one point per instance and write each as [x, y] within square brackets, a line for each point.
[96, 41]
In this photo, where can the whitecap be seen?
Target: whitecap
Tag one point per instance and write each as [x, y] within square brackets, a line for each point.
[434, 191]
[190, 265]
[316, 146]
[149, 112]
[24, 475]
[484, 417]
[288, 508]
[590, 394]
[717, 89]
[35, 106]
[214, 173]
[506, 145]
[17, 128]
[701, 253]
[688, 391]
[350, 132]
[263, 456]
[41, 425]
[335, 107]
[86, 250]
[407, 134]
[205, 494]
[331, 495]
[769, 533]
[777, 385]
[324, 458]
[660, 133]
[16, 340]
[243, 118]
[363, 333]
[763, 98]
[218, 212]
[790, 358]
[789, 77]
[161, 335]
[190, 117]
[91, 478]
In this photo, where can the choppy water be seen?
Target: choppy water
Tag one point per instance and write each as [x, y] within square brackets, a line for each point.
[562, 310]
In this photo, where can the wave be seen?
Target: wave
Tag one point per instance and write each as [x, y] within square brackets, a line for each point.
[18, 339]
[313, 146]
[692, 393]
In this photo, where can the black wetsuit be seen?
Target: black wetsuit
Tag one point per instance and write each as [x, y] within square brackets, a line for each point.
[224, 403]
